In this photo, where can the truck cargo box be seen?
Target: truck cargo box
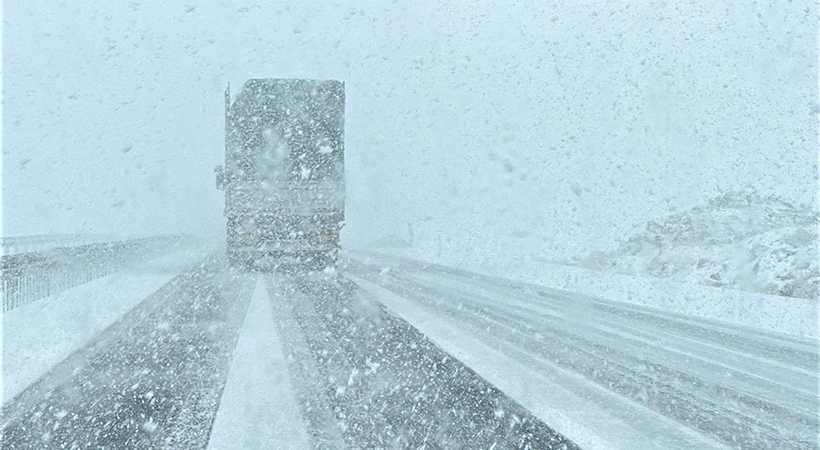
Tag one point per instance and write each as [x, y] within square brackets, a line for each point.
[284, 173]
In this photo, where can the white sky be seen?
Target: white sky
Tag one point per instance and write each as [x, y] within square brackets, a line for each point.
[565, 124]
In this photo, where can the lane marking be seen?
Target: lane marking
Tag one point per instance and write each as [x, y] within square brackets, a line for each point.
[258, 409]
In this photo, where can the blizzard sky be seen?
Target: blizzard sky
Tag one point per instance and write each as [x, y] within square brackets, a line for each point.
[561, 126]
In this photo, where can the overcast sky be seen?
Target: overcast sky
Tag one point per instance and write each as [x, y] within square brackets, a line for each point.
[566, 124]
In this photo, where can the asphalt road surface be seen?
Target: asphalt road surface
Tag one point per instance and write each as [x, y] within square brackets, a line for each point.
[362, 377]
[686, 382]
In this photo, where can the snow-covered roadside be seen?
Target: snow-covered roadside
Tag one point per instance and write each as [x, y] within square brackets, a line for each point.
[40, 334]
[793, 316]
[258, 409]
[739, 240]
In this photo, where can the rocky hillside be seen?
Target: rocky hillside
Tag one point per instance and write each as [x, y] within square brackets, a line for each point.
[738, 240]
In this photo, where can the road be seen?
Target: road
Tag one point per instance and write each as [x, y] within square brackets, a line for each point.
[362, 377]
[391, 353]
[676, 381]
[151, 380]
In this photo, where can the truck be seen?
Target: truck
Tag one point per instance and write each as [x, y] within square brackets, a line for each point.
[283, 176]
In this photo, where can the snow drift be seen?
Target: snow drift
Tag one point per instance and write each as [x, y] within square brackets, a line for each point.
[738, 240]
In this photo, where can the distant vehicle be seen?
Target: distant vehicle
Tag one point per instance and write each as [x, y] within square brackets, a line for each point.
[284, 173]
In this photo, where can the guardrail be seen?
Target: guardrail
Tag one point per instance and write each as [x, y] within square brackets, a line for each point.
[12, 245]
[30, 276]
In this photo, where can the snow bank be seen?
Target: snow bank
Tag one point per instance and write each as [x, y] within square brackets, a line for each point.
[738, 240]
[793, 316]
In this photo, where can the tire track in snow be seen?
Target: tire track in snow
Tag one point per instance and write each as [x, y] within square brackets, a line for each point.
[605, 365]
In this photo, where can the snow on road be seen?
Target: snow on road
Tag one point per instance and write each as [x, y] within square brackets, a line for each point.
[42, 333]
[406, 354]
[258, 409]
[591, 417]
[365, 378]
[152, 380]
[612, 375]
[786, 315]
[181, 361]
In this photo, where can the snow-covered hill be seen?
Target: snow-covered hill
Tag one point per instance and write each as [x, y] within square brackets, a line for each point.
[737, 240]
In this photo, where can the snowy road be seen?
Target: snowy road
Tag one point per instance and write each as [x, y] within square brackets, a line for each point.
[181, 364]
[151, 380]
[399, 354]
[369, 380]
[612, 375]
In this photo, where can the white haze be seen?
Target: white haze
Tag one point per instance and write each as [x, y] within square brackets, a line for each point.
[559, 125]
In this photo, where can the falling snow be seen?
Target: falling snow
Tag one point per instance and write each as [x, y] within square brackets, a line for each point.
[410, 225]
